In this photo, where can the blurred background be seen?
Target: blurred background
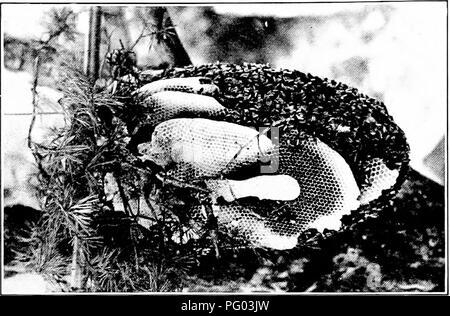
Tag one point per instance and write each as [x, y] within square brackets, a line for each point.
[395, 52]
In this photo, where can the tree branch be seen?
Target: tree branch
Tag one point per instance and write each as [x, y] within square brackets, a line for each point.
[170, 39]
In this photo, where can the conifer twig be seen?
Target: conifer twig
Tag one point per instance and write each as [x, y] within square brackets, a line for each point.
[37, 65]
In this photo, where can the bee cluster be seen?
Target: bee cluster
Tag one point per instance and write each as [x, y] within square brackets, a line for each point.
[321, 122]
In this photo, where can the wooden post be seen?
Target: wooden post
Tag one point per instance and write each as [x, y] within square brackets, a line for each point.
[91, 69]
[75, 273]
[92, 52]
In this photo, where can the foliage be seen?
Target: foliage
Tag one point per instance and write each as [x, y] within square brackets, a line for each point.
[17, 224]
[113, 250]
[53, 48]
[60, 22]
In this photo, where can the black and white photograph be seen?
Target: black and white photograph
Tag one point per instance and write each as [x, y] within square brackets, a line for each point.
[224, 148]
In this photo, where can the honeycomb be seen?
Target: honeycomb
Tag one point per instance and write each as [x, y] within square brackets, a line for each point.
[194, 85]
[195, 145]
[165, 105]
[379, 177]
[328, 190]
[199, 149]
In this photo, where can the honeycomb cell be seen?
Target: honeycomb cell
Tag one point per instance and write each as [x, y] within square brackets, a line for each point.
[379, 178]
